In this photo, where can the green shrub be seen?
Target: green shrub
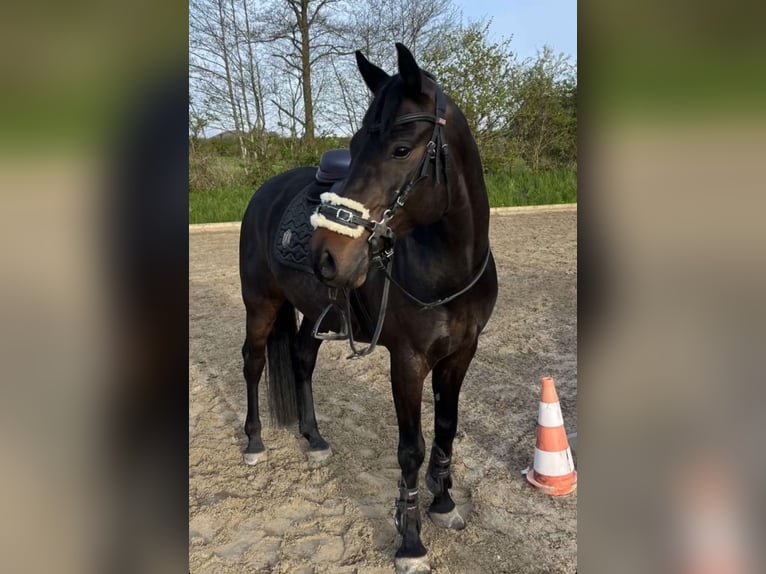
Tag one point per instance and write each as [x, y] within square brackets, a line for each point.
[208, 173]
[221, 185]
[525, 187]
[504, 190]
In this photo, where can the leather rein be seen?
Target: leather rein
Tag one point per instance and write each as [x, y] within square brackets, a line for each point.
[382, 238]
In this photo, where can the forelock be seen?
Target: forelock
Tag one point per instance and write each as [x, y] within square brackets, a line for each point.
[383, 109]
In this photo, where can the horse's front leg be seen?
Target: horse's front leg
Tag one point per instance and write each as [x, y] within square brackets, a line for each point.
[408, 371]
[447, 379]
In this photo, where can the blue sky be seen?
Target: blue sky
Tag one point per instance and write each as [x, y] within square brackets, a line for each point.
[531, 23]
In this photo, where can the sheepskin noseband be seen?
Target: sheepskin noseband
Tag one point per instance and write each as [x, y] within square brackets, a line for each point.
[340, 214]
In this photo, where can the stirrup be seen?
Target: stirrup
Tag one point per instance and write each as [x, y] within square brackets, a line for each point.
[331, 335]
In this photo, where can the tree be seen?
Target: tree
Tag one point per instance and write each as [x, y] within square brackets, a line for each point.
[373, 26]
[200, 117]
[545, 121]
[481, 77]
[302, 34]
[565, 149]
[212, 58]
[224, 70]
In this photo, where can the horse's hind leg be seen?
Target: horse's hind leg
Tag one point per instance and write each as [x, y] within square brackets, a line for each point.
[448, 377]
[260, 318]
[305, 353]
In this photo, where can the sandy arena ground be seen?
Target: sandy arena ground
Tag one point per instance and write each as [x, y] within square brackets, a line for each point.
[288, 515]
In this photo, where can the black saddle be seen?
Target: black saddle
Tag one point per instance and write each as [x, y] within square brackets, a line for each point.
[333, 165]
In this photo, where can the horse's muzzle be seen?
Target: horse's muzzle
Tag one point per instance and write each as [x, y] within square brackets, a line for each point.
[339, 261]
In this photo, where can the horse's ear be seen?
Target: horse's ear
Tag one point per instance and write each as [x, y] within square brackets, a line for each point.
[372, 75]
[409, 70]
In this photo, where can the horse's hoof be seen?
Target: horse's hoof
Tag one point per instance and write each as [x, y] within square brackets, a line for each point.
[253, 458]
[451, 519]
[319, 455]
[418, 565]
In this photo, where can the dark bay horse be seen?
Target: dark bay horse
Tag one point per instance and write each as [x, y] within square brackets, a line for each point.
[401, 257]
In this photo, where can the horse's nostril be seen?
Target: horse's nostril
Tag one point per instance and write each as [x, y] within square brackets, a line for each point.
[327, 267]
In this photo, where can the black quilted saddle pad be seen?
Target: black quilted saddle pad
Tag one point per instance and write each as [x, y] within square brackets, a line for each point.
[291, 244]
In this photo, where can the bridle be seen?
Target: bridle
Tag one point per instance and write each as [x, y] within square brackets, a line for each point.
[437, 151]
[382, 238]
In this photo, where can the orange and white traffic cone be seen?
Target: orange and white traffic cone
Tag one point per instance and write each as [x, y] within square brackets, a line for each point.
[553, 469]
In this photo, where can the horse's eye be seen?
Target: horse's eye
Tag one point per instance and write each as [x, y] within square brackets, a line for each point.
[400, 152]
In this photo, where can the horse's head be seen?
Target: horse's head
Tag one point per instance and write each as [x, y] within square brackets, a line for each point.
[398, 154]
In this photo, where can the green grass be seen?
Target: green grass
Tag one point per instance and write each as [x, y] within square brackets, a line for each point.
[532, 188]
[221, 205]
[520, 188]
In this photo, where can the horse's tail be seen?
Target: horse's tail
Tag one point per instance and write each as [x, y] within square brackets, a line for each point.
[283, 401]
